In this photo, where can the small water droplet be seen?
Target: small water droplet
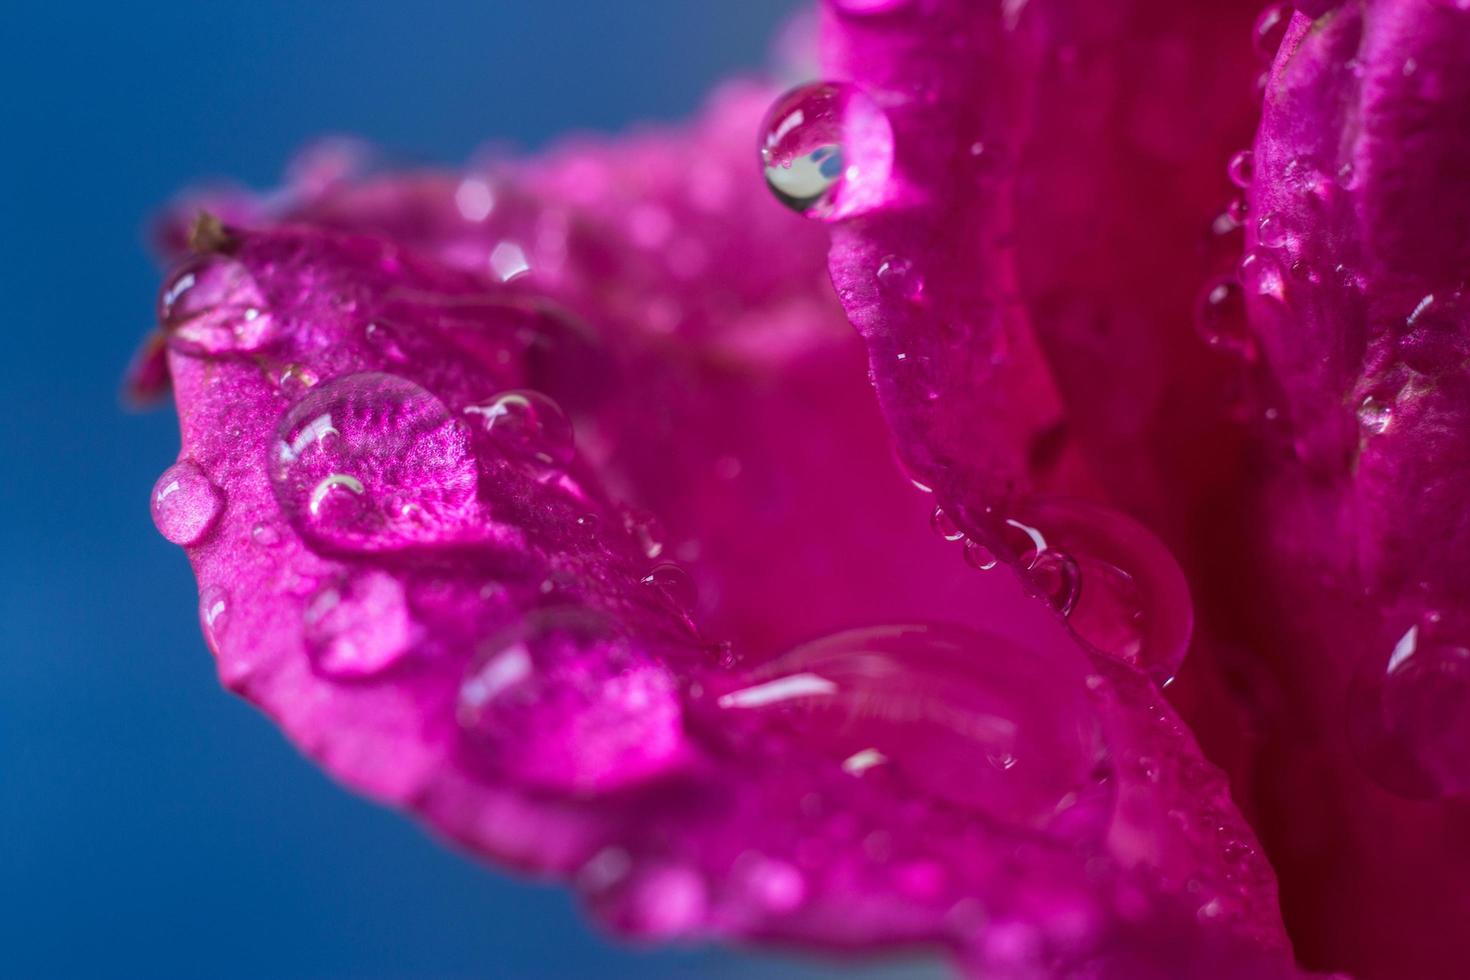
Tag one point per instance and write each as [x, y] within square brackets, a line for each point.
[373, 462]
[1269, 30]
[979, 556]
[1409, 715]
[528, 425]
[928, 701]
[1221, 321]
[211, 304]
[358, 626]
[1237, 210]
[214, 611]
[826, 150]
[185, 503]
[296, 380]
[1375, 415]
[1271, 231]
[265, 535]
[1242, 169]
[897, 276]
[562, 702]
[944, 525]
[645, 531]
[675, 583]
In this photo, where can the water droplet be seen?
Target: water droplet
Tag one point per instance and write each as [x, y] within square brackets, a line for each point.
[944, 525]
[563, 703]
[185, 503]
[897, 276]
[373, 462]
[528, 425]
[827, 149]
[508, 261]
[1238, 209]
[212, 305]
[1374, 415]
[265, 535]
[929, 701]
[214, 610]
[296, 380]
[1260, 275]
[979, 556]
[675, 583]
[1271, 231]
[1270, 30]
[1242, 169]
[358, 626]
[382, 339]
[1221, 321]
[1409, 715]
[645, 531]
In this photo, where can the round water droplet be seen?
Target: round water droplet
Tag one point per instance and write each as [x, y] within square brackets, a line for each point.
[1260, 275]
[185, 504]
[1220, 319]
[979, 556]
[1242, 169]
[373, 462]
[944, 525]
[927, 704]
[827, 150]
[214, 611]
[1128, 596]
[897, 276]
[1270, 30]
[212, 305]
[675, 583]
[358, 626]
[1409, 715]
[563, 703]
[295, 380]
[1374, 415]
[864, 8]
[527, 425]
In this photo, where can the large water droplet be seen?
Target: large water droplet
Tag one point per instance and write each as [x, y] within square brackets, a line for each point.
[564, 703]
[373, 462]
[212, 305]
[827, 150]
[964, 718]
[185, 504]
[1409, 716]
[358, 626]
[527, 425]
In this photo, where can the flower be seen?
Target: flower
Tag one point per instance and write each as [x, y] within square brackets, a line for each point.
[550, 501]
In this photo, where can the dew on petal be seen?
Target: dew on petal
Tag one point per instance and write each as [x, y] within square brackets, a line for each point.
[1409, 716]
[372, 462]
[1269, 30]
[1374, 415]
[1221, 321]
[944, 525]
[562, 703]
[936, 706]
[826, 150]
[212, 305]
[672, 581]
[358, 626]
[214, 611]
[527, 425]
[1242, 169]
[185, 503]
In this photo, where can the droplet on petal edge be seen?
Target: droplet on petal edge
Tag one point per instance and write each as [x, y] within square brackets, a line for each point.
[527, 425]
[185, 503]
[826, 150]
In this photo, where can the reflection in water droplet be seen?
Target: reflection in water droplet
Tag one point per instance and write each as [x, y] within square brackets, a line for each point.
[1270, 30]
[944, 525]
[212, 305]
[1409, 715]
[296, 380]
[928, 704]
[563, 703]
[897, 276]
[826, 150]
[214, 610]
[528, 425]
[373, 462]
[1271, 231]
[185, 503]
[358, 626]
[1242, 169]
[1374, 415]
[674, 583]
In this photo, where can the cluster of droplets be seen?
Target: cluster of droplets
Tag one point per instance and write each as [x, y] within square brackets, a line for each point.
[1114, 583]
[826, 150]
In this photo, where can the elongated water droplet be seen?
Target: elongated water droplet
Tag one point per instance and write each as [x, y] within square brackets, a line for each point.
[214, 611]
[185, 503]
[359, 625]
[1269, 30]
[212, 305]
[563, 703]
[826, 150]
[1409, 715]
[944, 525]
[527, 425]
[928, 704]
[1242, 169]
[373, 462]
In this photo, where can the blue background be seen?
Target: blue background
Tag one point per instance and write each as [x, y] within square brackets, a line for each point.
[149, 823]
